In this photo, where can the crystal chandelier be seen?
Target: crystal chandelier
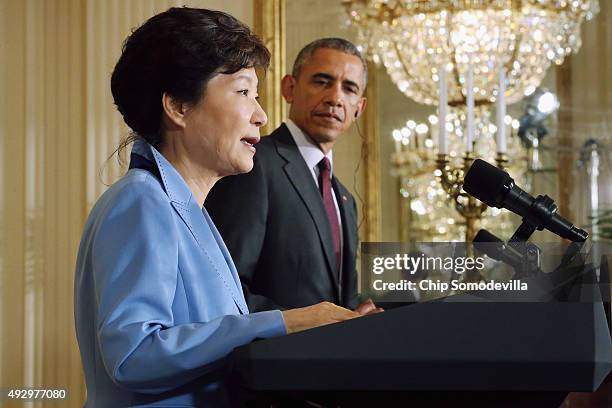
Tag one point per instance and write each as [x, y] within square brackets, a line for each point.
[413, 39]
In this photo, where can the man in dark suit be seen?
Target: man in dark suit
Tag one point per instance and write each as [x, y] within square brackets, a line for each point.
[289, 224]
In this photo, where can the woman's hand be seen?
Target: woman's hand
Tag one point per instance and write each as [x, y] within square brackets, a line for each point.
[316, 315]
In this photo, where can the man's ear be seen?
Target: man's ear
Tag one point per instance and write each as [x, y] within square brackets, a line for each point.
[361, 105]
[174, 111]
[287, 87]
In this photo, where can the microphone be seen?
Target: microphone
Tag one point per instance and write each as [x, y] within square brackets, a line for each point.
[496, 188]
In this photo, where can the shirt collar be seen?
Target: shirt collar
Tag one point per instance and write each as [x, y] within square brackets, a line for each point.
[311, 153]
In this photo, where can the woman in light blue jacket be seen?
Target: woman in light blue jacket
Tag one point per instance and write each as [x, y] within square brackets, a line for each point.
[158, 301]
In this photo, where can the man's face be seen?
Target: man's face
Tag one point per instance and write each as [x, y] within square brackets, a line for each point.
[326, 97]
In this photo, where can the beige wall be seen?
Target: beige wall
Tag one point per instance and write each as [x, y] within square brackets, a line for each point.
[41, 204]
[57, 128]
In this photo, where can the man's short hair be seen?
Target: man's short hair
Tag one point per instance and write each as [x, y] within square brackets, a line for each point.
[339, 44]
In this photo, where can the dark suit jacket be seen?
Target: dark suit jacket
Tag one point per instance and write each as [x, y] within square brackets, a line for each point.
[274, 223]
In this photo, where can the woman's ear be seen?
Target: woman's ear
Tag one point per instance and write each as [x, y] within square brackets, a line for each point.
[174, 111]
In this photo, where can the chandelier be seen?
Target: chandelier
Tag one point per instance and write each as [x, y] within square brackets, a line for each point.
[414, 39]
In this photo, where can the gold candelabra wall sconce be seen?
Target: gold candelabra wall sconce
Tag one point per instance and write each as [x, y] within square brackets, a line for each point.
[434, 206]
[451, 179]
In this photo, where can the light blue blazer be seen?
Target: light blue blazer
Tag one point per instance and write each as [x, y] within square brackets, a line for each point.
[158, 301]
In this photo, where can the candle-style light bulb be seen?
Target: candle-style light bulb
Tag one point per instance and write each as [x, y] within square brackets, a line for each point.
[442, 106]
[470, 108]
[501, 112]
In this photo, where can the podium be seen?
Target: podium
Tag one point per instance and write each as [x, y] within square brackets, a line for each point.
[465, 343]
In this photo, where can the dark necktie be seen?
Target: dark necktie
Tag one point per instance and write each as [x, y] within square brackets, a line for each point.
[330, 208]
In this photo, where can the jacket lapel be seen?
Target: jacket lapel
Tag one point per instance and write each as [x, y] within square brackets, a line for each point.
[300, 177]
[193, 217]
[349, 227]
[241, 302]
[200, 226]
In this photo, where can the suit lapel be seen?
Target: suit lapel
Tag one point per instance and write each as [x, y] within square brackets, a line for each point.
[349, 226]
[300, 177]
[349, 218]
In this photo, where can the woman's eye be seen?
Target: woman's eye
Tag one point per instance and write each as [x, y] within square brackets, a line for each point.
[244, 92]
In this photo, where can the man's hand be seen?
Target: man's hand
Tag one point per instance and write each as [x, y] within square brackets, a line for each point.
[368, 307]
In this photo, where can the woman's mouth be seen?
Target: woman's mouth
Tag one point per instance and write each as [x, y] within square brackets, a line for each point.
[250, 141]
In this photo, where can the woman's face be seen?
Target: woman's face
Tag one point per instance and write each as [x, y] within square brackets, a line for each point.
[223, 127]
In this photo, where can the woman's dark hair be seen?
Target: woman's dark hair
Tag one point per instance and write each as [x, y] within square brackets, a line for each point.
[178, 52]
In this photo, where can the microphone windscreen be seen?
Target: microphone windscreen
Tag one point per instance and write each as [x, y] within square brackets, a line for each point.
[486, 182]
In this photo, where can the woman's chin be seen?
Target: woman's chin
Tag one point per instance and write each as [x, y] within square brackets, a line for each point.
[247, 168]
[244, 166]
